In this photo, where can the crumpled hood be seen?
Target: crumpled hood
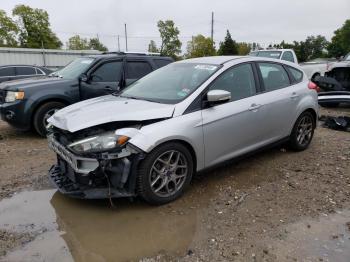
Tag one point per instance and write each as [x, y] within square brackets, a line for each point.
[106, 109]
[40, 82]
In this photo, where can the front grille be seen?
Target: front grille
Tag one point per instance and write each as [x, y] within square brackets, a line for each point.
[2, 96]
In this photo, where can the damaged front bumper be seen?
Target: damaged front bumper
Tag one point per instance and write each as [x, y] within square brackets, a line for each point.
[110, 175]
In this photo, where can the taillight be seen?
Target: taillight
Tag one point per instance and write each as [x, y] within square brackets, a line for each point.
[313, 86]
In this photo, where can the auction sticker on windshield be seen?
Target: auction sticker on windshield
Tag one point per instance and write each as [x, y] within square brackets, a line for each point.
[205, 67]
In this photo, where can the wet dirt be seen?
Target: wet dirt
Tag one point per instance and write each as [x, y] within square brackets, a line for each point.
[268, 207]
[324, 239]
[77, 230]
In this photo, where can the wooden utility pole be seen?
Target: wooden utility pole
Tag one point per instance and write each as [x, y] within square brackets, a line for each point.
[212, 26]
[118, 44]
[126, 39]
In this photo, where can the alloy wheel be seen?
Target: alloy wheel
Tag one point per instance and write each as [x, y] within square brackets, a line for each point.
[168, 173]
[304, 130]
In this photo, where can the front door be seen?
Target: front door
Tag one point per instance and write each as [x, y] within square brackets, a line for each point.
[103, 80]
[232, 128]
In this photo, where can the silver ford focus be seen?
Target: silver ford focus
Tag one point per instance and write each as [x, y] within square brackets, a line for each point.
[149, 139]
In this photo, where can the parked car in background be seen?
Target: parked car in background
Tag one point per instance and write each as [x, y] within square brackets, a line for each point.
[29, 103]
[149, 139]
[312, 68]
[317, 67]
[335, 84]
[282, 54]
[14, 72]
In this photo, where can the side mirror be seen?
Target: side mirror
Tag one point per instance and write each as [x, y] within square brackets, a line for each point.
[83, 78]
[215, 97]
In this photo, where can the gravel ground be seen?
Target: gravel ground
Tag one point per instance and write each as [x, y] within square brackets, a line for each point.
[250, 210]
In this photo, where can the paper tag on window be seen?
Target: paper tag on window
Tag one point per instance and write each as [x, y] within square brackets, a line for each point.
[205, 67]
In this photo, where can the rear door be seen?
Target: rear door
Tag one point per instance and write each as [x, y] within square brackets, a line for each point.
[103, 79]
[280, 97]
[233, 128]
[136, 69]
[7, 73]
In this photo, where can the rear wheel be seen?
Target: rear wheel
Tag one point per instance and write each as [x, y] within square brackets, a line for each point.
[165, 173]
[43, 113]
[302, 132]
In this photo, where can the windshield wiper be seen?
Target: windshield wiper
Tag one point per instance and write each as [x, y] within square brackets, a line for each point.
[140, 98]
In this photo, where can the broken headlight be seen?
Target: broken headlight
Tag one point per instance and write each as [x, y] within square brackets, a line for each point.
[99, 143]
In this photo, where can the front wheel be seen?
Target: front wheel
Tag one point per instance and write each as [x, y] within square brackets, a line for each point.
[302, 132]
[165, 173]
[43, 113]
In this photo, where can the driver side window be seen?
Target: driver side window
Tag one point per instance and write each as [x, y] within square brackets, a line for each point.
[108, 72]
[239, 80]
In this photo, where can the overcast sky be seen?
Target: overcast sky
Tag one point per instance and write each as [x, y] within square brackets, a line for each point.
[268, 21]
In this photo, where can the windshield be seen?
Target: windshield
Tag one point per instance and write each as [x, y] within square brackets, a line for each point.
[270, 54]
[170, 84]
[74, 69]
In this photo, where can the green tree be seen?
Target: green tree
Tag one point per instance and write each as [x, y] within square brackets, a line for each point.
[152, 47]
[35, 28]
[8, 31]
[78, 43]
[313, 47]
[340, 44]
[243, 48]
[228, 47]
[171, 45]
[200, 46]
[95, 44]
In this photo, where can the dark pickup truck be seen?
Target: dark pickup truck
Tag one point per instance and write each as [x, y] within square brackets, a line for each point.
[28, 103]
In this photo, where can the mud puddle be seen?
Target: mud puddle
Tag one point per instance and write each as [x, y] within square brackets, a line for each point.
[324, 239]
[76, 230]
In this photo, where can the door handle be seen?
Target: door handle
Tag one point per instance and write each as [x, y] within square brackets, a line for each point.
[109, 88]
[254, 107]
[294, 95]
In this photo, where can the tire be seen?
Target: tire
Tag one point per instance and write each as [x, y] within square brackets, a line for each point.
[42, 114]
[156, 169]
[302, 132]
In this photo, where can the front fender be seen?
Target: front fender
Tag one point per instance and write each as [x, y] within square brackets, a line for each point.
[186, 128]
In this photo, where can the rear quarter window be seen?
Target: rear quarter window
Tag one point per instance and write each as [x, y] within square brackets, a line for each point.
[297, 74]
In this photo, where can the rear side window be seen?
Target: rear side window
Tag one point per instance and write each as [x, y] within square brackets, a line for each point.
[136, 70]
[239, 80]
[7, 71]
[288, 56]
[297, 74]
[25, 71]
[274, 76]
[161, 62]
[108, 72]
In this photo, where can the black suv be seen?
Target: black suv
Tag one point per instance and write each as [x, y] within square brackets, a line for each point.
[29, 103]
[14, 72]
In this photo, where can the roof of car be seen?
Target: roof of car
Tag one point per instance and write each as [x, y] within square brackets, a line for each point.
[121, 54]
[215, 60]
[21, 65]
